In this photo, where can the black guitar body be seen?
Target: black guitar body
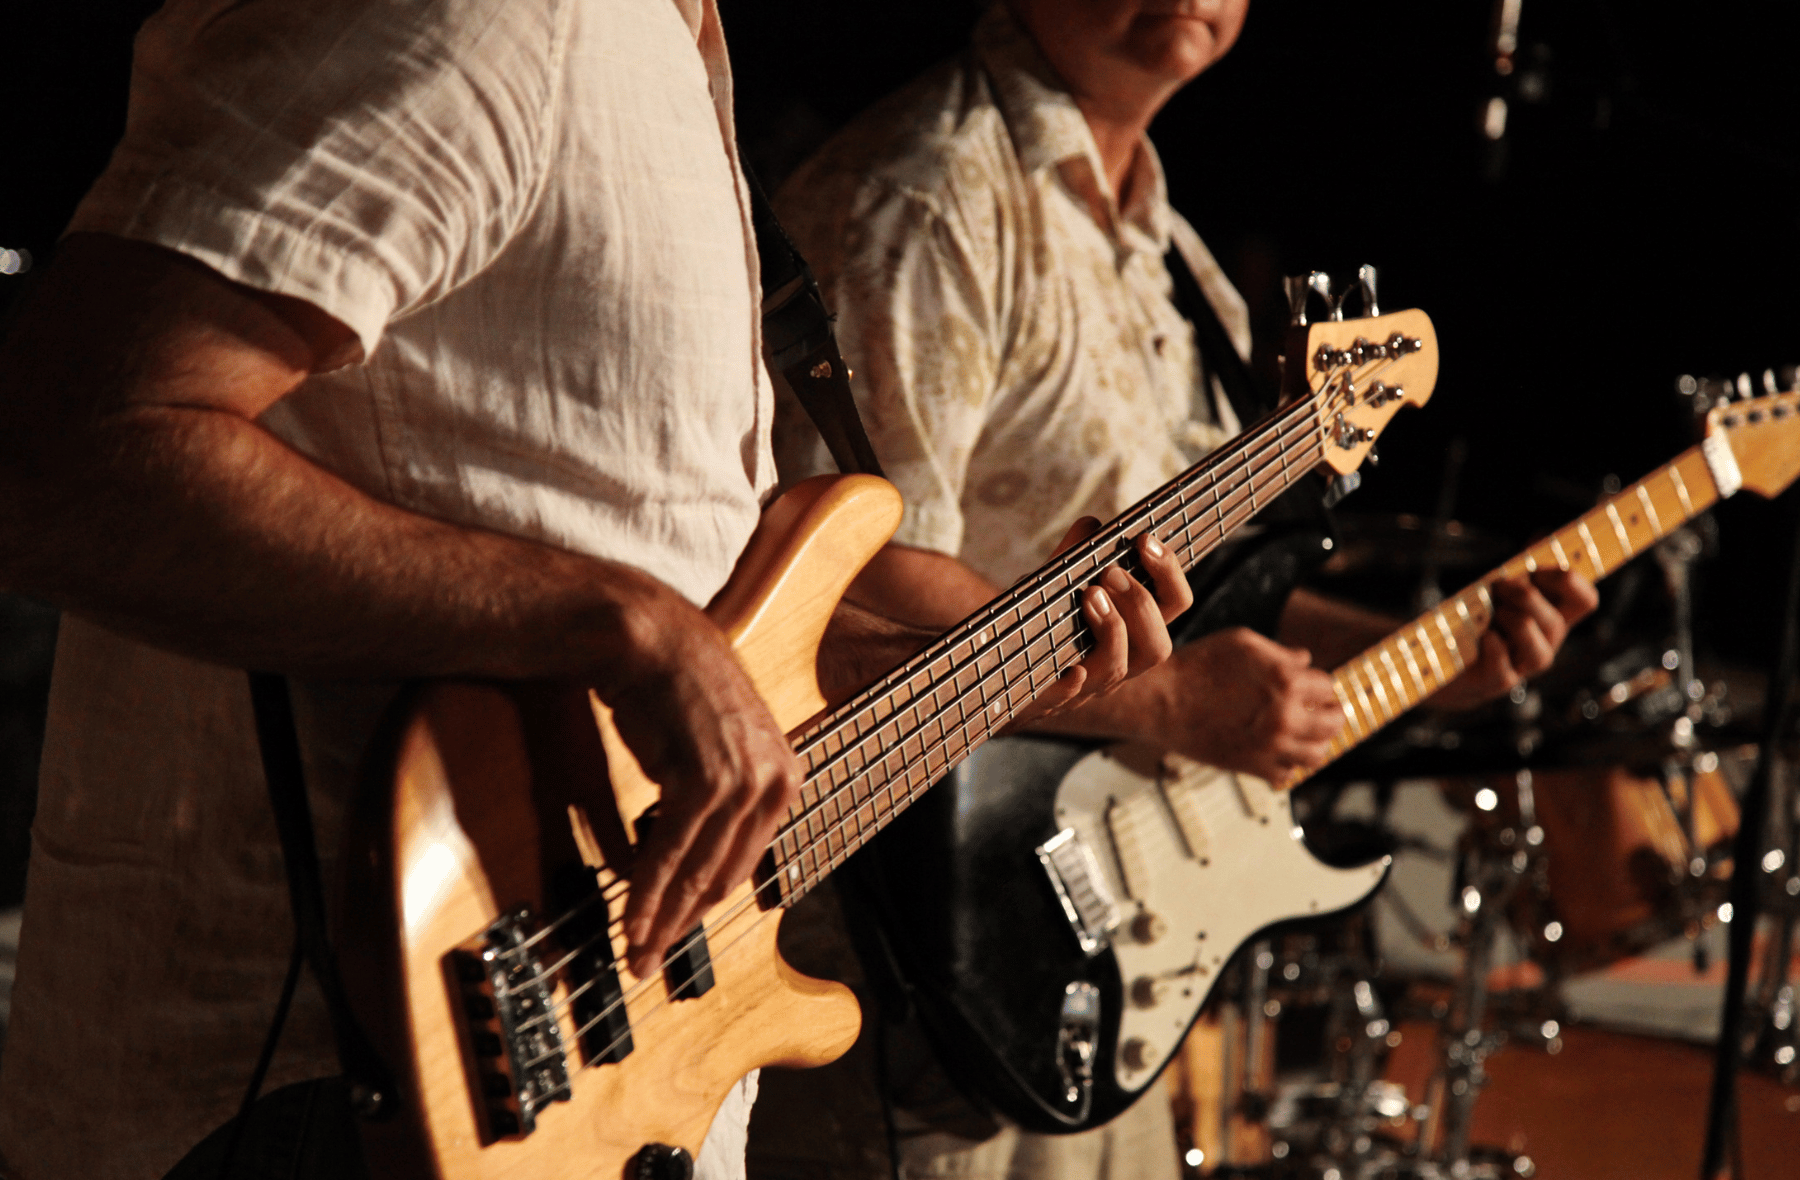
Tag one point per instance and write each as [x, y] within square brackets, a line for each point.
[971, 922]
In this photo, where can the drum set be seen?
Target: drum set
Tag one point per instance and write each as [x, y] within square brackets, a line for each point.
[1589, 820]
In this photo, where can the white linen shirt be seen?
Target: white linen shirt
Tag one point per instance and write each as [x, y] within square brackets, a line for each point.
[532, 216]
[1018, 360]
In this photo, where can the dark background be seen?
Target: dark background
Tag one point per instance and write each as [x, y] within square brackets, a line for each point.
[1637, 221]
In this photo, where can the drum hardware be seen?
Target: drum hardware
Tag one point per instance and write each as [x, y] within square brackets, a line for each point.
[1774, 1039]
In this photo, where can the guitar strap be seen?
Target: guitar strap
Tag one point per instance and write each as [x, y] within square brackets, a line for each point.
[799, 341]
[1217, 352]
[370, 1081]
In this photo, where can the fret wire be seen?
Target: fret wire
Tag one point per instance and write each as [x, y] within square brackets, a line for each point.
[1643, 494]
[1348, 679]
[1393, 670]
[1687, 506]
[1450, 638]
[1431, 655]
[1015, 628]
[1349, 710]
[1412, 667]
[1056, 651]
[1593, 550]
[1374, 679]
[1626, 548]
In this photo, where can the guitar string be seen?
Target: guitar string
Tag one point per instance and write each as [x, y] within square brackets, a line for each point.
[738, 909]
[840, 825]
[1628, 549]
[1275, 425]
[1228, 518]
[1228, 515]
[1278, 428]
[811, 741]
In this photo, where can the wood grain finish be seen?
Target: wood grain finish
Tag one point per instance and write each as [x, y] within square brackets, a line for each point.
[480, 810]
[492, 790]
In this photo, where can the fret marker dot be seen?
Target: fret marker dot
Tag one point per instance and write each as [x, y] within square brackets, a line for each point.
[793, 872]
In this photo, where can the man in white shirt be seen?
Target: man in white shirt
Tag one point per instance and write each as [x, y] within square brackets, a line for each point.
[398, 339]
[992, 237]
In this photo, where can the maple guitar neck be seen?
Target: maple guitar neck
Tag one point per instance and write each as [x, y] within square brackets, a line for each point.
[868, 759]
[1427, 653]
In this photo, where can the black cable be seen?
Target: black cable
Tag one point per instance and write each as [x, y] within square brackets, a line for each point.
[254, 1089]
[1747, 850]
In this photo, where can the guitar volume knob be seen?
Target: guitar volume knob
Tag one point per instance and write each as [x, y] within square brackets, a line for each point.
[659, 1161]
[1135, 1052]
[1147, 927]
[1147, 992]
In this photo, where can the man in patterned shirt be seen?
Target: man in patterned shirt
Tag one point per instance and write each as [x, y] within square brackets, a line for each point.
[993, 238]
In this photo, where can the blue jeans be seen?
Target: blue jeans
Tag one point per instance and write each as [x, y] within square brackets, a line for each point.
[305, 1131]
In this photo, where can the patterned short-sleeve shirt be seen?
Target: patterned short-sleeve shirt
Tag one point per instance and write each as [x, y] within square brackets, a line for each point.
[1019, 361]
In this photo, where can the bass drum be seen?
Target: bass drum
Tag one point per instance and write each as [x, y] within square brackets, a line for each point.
[1631, 859]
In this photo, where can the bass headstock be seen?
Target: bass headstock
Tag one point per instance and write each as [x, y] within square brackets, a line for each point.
[1752, 430]
[1357, 372]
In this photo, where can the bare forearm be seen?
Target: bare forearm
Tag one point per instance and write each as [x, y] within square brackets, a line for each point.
[200, 532]
[1331, 629]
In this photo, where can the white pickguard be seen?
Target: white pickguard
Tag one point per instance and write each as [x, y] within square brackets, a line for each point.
[1200, 859]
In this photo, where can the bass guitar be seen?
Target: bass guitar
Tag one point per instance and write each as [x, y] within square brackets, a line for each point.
[1088, 897]
[483, 951]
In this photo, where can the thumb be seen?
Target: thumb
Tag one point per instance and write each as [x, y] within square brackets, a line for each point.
[1078, 532]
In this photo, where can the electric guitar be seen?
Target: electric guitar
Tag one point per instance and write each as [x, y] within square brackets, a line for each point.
[483, 951]
[1092, 895]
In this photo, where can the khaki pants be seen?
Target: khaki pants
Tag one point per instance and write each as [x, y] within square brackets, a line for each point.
[831, 1123]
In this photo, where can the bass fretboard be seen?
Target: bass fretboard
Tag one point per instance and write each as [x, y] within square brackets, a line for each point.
[869, 758]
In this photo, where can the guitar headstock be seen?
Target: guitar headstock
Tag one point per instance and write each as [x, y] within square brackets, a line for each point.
[1358, 372]
[1759, 423]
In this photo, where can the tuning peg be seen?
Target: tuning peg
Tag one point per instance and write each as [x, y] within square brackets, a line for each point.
[1365, 280]
[1298, 288]
[1320, 282]
[1788, 374]
[1743, 387]
[1769, 384]
[1686, 386]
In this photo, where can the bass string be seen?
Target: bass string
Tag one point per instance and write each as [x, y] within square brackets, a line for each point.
[1229, 516]
[911, 786]
[855, 712]
[912, 789]
[839, 826]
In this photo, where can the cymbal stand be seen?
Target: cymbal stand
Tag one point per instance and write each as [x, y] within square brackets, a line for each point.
[1770, 1012]
[1490, 874]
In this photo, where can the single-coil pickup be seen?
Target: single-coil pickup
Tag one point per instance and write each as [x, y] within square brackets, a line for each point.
[596, 997]
[688, 969]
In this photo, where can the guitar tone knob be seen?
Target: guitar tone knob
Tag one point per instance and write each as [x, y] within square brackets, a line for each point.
[1147, 992]
[1135, 1052]
[660, 1161]
[1147, 927]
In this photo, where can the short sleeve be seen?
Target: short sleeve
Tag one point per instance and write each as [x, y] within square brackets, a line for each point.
[916, 326]
[367, 156]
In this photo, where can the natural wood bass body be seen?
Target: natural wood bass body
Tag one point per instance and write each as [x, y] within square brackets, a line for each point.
[474, 817]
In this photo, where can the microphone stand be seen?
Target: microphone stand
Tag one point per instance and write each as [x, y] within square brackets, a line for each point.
[1746, 880]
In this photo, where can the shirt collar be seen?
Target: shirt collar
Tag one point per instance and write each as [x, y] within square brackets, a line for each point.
[1049, 131]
